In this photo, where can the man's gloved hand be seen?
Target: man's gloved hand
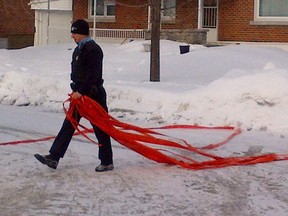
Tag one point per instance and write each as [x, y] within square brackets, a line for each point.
[76, 95]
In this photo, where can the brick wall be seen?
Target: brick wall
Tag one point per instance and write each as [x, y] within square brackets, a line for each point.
[16, 17]
[129, 16]
[80, 9]
[126, 17]
[234, 20]
[186, 15]
[133, 14]
[16, 23]
[234, 24]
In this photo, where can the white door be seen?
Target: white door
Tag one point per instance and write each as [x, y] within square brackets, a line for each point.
[209, 19]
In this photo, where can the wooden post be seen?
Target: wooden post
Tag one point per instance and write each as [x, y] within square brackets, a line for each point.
[155, 41]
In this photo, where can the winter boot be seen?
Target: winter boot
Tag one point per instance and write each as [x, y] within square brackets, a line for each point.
[48, 160]
[103, 168]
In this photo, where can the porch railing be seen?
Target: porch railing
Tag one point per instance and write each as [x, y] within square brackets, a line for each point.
[119, 33]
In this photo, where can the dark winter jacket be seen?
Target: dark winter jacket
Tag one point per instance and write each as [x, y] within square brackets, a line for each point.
[86, 68]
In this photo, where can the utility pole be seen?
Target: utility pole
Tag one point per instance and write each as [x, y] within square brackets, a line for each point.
[155, 41]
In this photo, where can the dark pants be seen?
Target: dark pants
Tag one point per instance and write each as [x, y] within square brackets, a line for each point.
[67, 130]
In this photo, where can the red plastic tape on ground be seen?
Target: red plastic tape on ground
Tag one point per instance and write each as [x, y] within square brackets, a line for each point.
[154, 145]
[160, 147]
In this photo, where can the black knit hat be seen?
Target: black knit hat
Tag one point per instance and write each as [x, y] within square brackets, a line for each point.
[80, 26]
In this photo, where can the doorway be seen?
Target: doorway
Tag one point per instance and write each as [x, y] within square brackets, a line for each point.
[210, 19]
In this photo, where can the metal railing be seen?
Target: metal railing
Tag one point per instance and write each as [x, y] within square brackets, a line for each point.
[119, 33]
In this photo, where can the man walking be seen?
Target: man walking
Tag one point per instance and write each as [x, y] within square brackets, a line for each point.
[86, 76]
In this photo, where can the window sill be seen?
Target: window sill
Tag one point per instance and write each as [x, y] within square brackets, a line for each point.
[102, 19]
[268, 22]
[168, 21]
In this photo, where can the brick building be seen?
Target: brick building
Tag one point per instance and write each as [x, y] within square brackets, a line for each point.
[253, 20]
[225, 20]
[16, 24]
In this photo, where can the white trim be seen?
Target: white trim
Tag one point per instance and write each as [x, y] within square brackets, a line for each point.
[200, 12]
[167, 18]
[94, 20]
[105, 16]
[149, 18]
[263, 20]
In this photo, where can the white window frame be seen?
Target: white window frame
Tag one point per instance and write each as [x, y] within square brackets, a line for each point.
[268, 19]
[163, 17]
[106, 3]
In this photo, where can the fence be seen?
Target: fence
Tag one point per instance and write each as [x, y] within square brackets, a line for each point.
[119, 33]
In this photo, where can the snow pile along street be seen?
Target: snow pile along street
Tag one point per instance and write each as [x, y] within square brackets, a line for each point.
[237, 85]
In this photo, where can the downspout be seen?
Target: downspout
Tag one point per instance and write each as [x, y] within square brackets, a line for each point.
[200, 5]
[48, 21]
[149, 19]
[94, 21]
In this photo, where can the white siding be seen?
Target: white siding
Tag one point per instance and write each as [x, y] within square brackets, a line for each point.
[52, 27]
[62, 5]
[58, 30]
[60, 26]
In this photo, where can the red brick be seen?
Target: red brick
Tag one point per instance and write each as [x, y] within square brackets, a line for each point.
[16, 17]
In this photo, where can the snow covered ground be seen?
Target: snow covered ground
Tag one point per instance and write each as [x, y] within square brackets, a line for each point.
[237, 85]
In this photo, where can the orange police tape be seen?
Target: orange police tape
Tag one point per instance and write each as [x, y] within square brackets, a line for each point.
[147, 141]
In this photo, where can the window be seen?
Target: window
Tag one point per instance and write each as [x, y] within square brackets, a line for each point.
[271, 10]
[104, 8]
[168, 9]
